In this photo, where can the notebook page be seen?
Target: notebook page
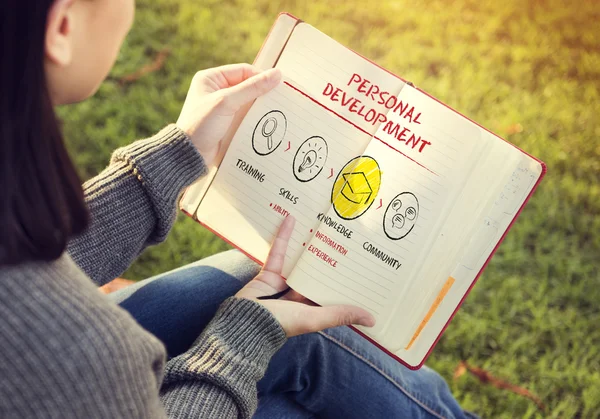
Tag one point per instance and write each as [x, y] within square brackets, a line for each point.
[260, 183]
[519, 178]
[390, 238]
[308, 126]
[339, 79]
[474, 200]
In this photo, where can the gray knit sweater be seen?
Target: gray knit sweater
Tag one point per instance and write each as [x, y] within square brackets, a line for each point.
[66, 351]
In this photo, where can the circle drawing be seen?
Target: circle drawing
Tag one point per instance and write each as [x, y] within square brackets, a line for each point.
[401, 216]
[310, 159]
[269, 132]
[356, 187]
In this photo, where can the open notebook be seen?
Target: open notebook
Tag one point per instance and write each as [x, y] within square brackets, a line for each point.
[400, 201]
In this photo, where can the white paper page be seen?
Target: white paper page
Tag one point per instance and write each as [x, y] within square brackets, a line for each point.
[390, 239]
[472, 203]
[241, 209]
[516, 185]
[338, 78]
[247, 211]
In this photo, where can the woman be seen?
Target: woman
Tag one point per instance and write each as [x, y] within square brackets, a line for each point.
[66, 350]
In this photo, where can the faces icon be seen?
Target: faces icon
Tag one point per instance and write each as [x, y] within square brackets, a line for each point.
[401, 215]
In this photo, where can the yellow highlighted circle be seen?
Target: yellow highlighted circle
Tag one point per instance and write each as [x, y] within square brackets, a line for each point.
[356, 187]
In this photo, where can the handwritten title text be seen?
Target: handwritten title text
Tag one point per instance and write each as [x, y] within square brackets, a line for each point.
[372, 115]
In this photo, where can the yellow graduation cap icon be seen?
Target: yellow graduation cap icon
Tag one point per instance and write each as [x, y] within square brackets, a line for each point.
[356, 187]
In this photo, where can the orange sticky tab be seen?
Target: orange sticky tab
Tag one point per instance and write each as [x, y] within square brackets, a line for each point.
[438, 300]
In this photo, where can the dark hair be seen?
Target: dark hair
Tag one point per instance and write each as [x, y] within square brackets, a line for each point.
[41, 198]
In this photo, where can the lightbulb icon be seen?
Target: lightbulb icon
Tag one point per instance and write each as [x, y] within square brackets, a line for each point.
[310, 159]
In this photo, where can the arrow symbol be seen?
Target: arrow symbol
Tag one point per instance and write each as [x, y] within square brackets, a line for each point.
[289, 145]
[380, 203]
[331, 173]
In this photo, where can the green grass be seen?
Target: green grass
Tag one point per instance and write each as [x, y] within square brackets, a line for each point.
[534, 317]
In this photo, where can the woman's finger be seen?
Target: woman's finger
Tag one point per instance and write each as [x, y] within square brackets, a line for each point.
[228, 75]
[276, 258]
[319, 318]
[248, 90]
[233, 74]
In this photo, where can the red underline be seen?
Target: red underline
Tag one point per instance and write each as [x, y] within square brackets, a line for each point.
[356, 126]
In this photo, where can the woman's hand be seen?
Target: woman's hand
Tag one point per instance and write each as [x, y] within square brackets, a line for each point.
[296, 314]
[215, 96]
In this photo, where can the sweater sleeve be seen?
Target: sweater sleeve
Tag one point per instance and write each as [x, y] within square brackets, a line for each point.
[67, 351]
[132, 202]
[217, 377]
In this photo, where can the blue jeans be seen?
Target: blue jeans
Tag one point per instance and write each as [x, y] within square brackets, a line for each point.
[334, 373]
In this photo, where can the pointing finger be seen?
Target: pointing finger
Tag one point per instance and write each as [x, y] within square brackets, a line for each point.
[279, 247]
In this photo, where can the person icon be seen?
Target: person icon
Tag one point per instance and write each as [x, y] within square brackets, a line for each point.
[269, 132]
